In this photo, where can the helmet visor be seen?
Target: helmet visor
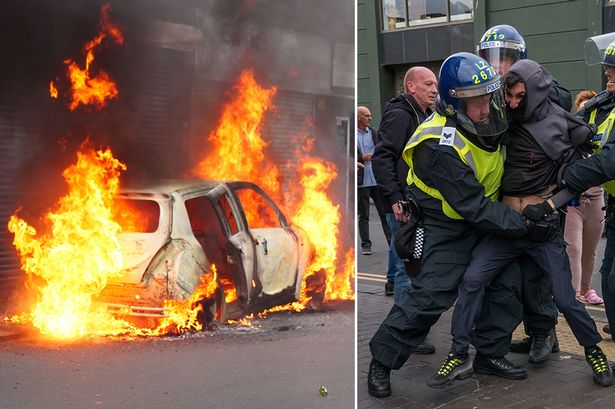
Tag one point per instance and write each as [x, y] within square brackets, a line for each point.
[500, 58]
[483, 115]
[596, 47]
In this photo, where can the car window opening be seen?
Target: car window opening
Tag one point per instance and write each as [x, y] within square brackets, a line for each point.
[137, 215]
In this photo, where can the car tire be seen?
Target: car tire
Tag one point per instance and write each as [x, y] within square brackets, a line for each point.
[214, 308]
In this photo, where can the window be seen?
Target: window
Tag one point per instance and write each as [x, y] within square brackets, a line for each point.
[394, 14]
[399, 14]
[228, 214]
[259, 212]
[136, 216]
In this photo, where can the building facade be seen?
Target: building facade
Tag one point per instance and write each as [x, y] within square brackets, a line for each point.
[394, 35]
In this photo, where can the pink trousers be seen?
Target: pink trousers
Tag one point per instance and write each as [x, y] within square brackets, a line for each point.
[582, 232]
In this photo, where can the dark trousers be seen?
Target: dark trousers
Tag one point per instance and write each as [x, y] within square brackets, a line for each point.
[539, 310]
[446, 255]
[490, 256]
[363, 196]
[608, 271]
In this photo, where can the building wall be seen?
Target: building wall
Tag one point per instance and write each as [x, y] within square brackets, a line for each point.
[370, 74]
[554, 31]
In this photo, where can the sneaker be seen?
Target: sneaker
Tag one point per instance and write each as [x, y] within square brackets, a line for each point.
[455, 367]
[366, 251]
[378, 380]
[602, 373]
[389, 289]
[591, 297]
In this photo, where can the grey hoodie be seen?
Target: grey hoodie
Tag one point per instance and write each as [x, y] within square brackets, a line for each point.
[542, 135]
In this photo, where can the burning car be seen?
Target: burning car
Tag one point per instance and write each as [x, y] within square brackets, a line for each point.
[183, 228]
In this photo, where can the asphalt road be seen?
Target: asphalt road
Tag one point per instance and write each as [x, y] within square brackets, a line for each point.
[281, 362]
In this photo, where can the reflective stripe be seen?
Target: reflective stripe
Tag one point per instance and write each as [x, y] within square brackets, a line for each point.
[604, 129]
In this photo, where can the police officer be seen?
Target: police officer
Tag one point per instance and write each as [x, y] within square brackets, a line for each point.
[456, 163]
[600, 168]
[502, 46]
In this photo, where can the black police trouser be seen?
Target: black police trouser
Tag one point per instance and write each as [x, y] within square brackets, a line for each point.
[363, 195]
[539, 310]
[608, 271]
[446, 255]
[490, 256]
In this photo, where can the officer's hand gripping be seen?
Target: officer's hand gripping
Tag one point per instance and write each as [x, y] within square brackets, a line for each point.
[542, 230]
[538, 212]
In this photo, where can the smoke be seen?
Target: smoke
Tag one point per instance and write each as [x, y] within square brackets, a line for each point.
[174, 72]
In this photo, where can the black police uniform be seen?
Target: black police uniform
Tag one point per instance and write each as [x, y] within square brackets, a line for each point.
[598, 169]
[446, 255]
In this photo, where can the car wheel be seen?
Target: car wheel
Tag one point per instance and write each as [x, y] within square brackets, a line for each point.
[214, 308]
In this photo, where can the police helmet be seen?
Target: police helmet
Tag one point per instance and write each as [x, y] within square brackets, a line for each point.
[600, 50]
[502, 46]
[470, 92]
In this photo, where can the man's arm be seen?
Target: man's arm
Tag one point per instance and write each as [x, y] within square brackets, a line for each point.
[600, 168]
[392, 135]
[459, 187]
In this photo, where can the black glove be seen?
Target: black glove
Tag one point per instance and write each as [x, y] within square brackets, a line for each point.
[538, 212]
[543, 230]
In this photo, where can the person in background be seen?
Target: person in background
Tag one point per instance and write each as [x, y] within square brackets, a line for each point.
[366, 181]
[402, 115]
[583, 229]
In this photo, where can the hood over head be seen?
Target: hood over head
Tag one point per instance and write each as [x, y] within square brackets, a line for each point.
[537, 82]
[556, 131]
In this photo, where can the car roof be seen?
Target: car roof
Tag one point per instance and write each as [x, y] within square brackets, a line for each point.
[169, 186]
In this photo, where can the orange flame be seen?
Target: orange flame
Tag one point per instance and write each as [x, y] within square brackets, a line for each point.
[238, 147]
[78, 252]
[88, 89]
[239, 153]
[53, 91]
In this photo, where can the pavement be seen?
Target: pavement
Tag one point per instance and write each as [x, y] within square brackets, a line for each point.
[563, 382]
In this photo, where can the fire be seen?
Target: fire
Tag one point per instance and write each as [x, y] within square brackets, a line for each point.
[78, 251]
[53, 91]
[316, 176]
[88, 89]
[230, 292]
[76, 254]
[238, 149]
[239, 153]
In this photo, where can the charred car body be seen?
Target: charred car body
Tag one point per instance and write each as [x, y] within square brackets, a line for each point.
[185, 227]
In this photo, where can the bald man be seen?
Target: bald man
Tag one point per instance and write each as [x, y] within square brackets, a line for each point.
[402, 115]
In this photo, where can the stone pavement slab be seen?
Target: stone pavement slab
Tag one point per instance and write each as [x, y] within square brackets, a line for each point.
[565, 382]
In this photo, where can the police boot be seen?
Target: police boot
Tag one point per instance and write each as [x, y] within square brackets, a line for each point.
[602, 373]
[606, 329]
[501, 367]
[523, 346]
[424, 348]
[542, 346]
[378, 380]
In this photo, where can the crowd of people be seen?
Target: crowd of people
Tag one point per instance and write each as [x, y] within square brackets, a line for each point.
[511, 188]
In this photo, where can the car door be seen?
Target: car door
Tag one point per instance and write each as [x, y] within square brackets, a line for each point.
[276, 248]
[240, 247]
